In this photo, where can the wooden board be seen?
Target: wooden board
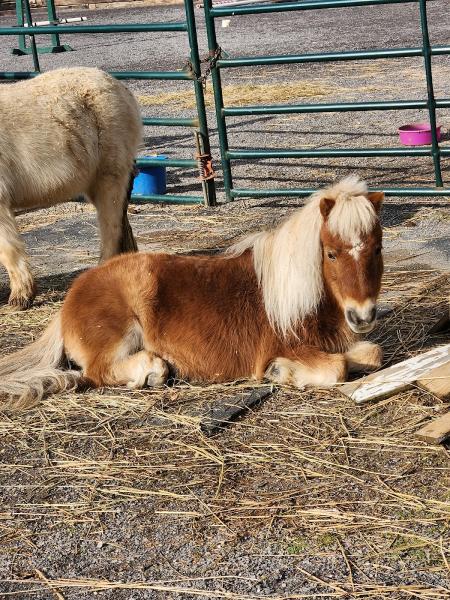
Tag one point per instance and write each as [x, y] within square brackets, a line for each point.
[437, 381]
[435, 431]
[396, 378]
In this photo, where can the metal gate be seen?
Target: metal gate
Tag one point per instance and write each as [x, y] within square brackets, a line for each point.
[219, 62]
[191, 73]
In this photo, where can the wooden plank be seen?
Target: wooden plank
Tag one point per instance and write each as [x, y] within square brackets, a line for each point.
[437, 381]
[396, 378]
[435, 431]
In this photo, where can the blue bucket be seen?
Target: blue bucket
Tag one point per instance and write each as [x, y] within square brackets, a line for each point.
[151, 180]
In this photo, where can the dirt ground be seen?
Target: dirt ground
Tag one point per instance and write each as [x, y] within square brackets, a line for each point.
[118, 494]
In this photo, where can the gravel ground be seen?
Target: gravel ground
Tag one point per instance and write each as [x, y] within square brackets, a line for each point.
[118, 494]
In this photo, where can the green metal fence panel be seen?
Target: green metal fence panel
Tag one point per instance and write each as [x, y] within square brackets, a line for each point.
[435, 152]
[192, 73]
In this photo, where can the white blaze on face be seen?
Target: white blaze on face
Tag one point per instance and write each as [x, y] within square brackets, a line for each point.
[356, 249]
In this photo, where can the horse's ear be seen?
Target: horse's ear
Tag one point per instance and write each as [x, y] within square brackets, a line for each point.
[377, 200]
[326, 205]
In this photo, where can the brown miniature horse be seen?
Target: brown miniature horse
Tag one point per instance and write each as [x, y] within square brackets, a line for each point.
[283, 304]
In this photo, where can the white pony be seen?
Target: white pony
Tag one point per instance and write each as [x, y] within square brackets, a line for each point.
[66, 133]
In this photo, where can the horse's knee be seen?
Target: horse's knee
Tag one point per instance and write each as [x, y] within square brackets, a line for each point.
[364, 356]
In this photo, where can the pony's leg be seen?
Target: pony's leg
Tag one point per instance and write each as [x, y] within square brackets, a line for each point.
[15, 261]
[310, 367]
[143, 369]
[364, 356]
[110, 198]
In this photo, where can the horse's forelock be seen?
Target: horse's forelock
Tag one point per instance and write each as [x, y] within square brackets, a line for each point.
[351, 218]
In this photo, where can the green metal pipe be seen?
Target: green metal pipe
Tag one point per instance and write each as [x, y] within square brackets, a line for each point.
[123, 28]
[226, 11]
[326, 153]
[172, 75]
[163, 75]
[34, 51]
[214, 51]
[52, 17]
[286, 109]
[319, 108]
[431, 101]
[167, 198]
[169, 122]
[202, 136]
[168, 162]
[286, 59]
[12, 75]
[271, 193]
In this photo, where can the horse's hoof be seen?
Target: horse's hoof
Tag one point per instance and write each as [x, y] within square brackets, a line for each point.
[155, 380]
[273, 371]
[159, 374]
[20, 302]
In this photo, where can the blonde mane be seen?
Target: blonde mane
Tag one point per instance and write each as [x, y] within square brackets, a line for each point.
[288, 259]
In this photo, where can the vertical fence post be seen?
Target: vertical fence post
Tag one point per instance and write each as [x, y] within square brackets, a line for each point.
[20, 21]
[431, 100]
[208, 186]
[34, 51]
[51, 12]
[214, 50]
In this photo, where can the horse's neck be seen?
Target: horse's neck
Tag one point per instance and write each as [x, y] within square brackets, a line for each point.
[327, 328]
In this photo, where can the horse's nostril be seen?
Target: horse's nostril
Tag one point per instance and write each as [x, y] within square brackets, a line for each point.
[352, 317]
[357, 320]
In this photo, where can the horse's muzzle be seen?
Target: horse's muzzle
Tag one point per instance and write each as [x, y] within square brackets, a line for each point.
[361, 320]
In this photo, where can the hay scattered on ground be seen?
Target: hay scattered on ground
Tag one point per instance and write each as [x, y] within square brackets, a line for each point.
[240, 95]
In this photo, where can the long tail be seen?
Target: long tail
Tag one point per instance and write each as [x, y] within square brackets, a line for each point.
[32, 373]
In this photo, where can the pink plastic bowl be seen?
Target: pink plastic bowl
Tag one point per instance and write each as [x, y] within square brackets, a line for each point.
[417, 134]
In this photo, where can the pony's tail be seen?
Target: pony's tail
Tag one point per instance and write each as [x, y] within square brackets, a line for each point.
[32, 373]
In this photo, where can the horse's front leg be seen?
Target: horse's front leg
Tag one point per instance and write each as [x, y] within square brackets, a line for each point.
[308, 367]
[364, 356]
[15, 261]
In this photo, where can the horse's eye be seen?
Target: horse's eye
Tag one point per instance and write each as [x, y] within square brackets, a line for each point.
[378, 250]
[331, 256]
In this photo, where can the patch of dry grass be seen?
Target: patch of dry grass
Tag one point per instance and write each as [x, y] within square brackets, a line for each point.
[242, 94]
